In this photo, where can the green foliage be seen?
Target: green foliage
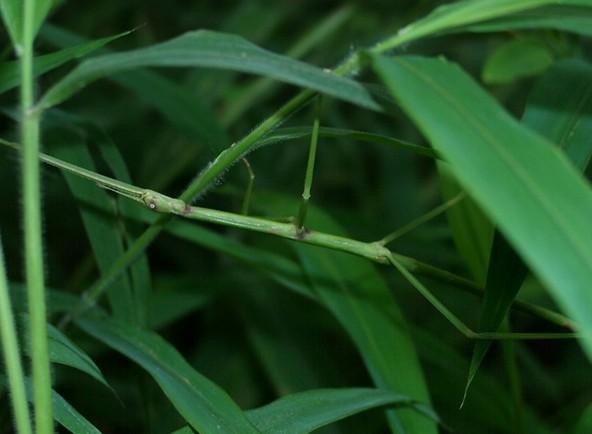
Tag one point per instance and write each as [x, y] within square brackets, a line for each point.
[232, 305]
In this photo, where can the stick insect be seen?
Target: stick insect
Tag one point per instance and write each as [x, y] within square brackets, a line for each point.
[375, 251]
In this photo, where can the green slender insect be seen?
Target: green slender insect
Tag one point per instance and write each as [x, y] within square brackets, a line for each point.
[375, 251]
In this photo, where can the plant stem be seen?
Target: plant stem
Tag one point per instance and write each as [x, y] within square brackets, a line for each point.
[312, 156]
[32, 224]
[12, 357]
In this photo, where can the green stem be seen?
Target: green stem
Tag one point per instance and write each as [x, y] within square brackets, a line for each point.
[310, 166]
[32, 224]
[12, 358]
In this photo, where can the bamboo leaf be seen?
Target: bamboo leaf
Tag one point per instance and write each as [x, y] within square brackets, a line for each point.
[10, 72]
[211, 50]
[206, 407]
[302, 413]
[64, 352]
[506, 168]
[501, 14]
[559, 108]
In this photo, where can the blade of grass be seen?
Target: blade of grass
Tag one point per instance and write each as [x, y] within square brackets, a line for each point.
[10, 74]
[558, 108]
[63, 351]
[205, 406]
[214, 50]
[12, 356]
[302, 413]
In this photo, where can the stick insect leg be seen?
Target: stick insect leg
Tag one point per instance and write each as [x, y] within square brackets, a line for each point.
[308, 178]
[421, 219]
[249, 191]
[459, 324]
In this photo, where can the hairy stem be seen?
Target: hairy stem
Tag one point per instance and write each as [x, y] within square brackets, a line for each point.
[12, 356]
[32, 224]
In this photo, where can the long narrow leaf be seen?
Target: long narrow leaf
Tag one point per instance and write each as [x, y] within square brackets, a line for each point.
[560, 108]
[206, 407]
[302, 413]
[213, 50]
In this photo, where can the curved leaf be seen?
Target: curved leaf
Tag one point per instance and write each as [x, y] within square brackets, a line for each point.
[528, 187]
[206, 407]
[10, 72]
[212, 50]
[302, 413]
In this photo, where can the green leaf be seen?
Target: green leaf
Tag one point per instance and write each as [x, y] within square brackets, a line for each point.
[65, 414]
[12, 13]
[516, 59]
[64, 352]
[99, 218]
[213, 50]
[10, 72]
[527, 187]
[302, 413]
[465, 15]
[206, 407]
[575, 19]
[559, 108]
[189, 115]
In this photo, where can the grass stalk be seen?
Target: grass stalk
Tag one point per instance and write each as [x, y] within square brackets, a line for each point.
[30, 119]
[12, 356]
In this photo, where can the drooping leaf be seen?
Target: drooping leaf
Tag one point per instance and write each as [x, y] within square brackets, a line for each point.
[302, 413]
[559, 108]
[64, 414]
[206, 407]
[10, 72]
[64, 352]
[516, 59]
[213, 50]
[527, 187]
